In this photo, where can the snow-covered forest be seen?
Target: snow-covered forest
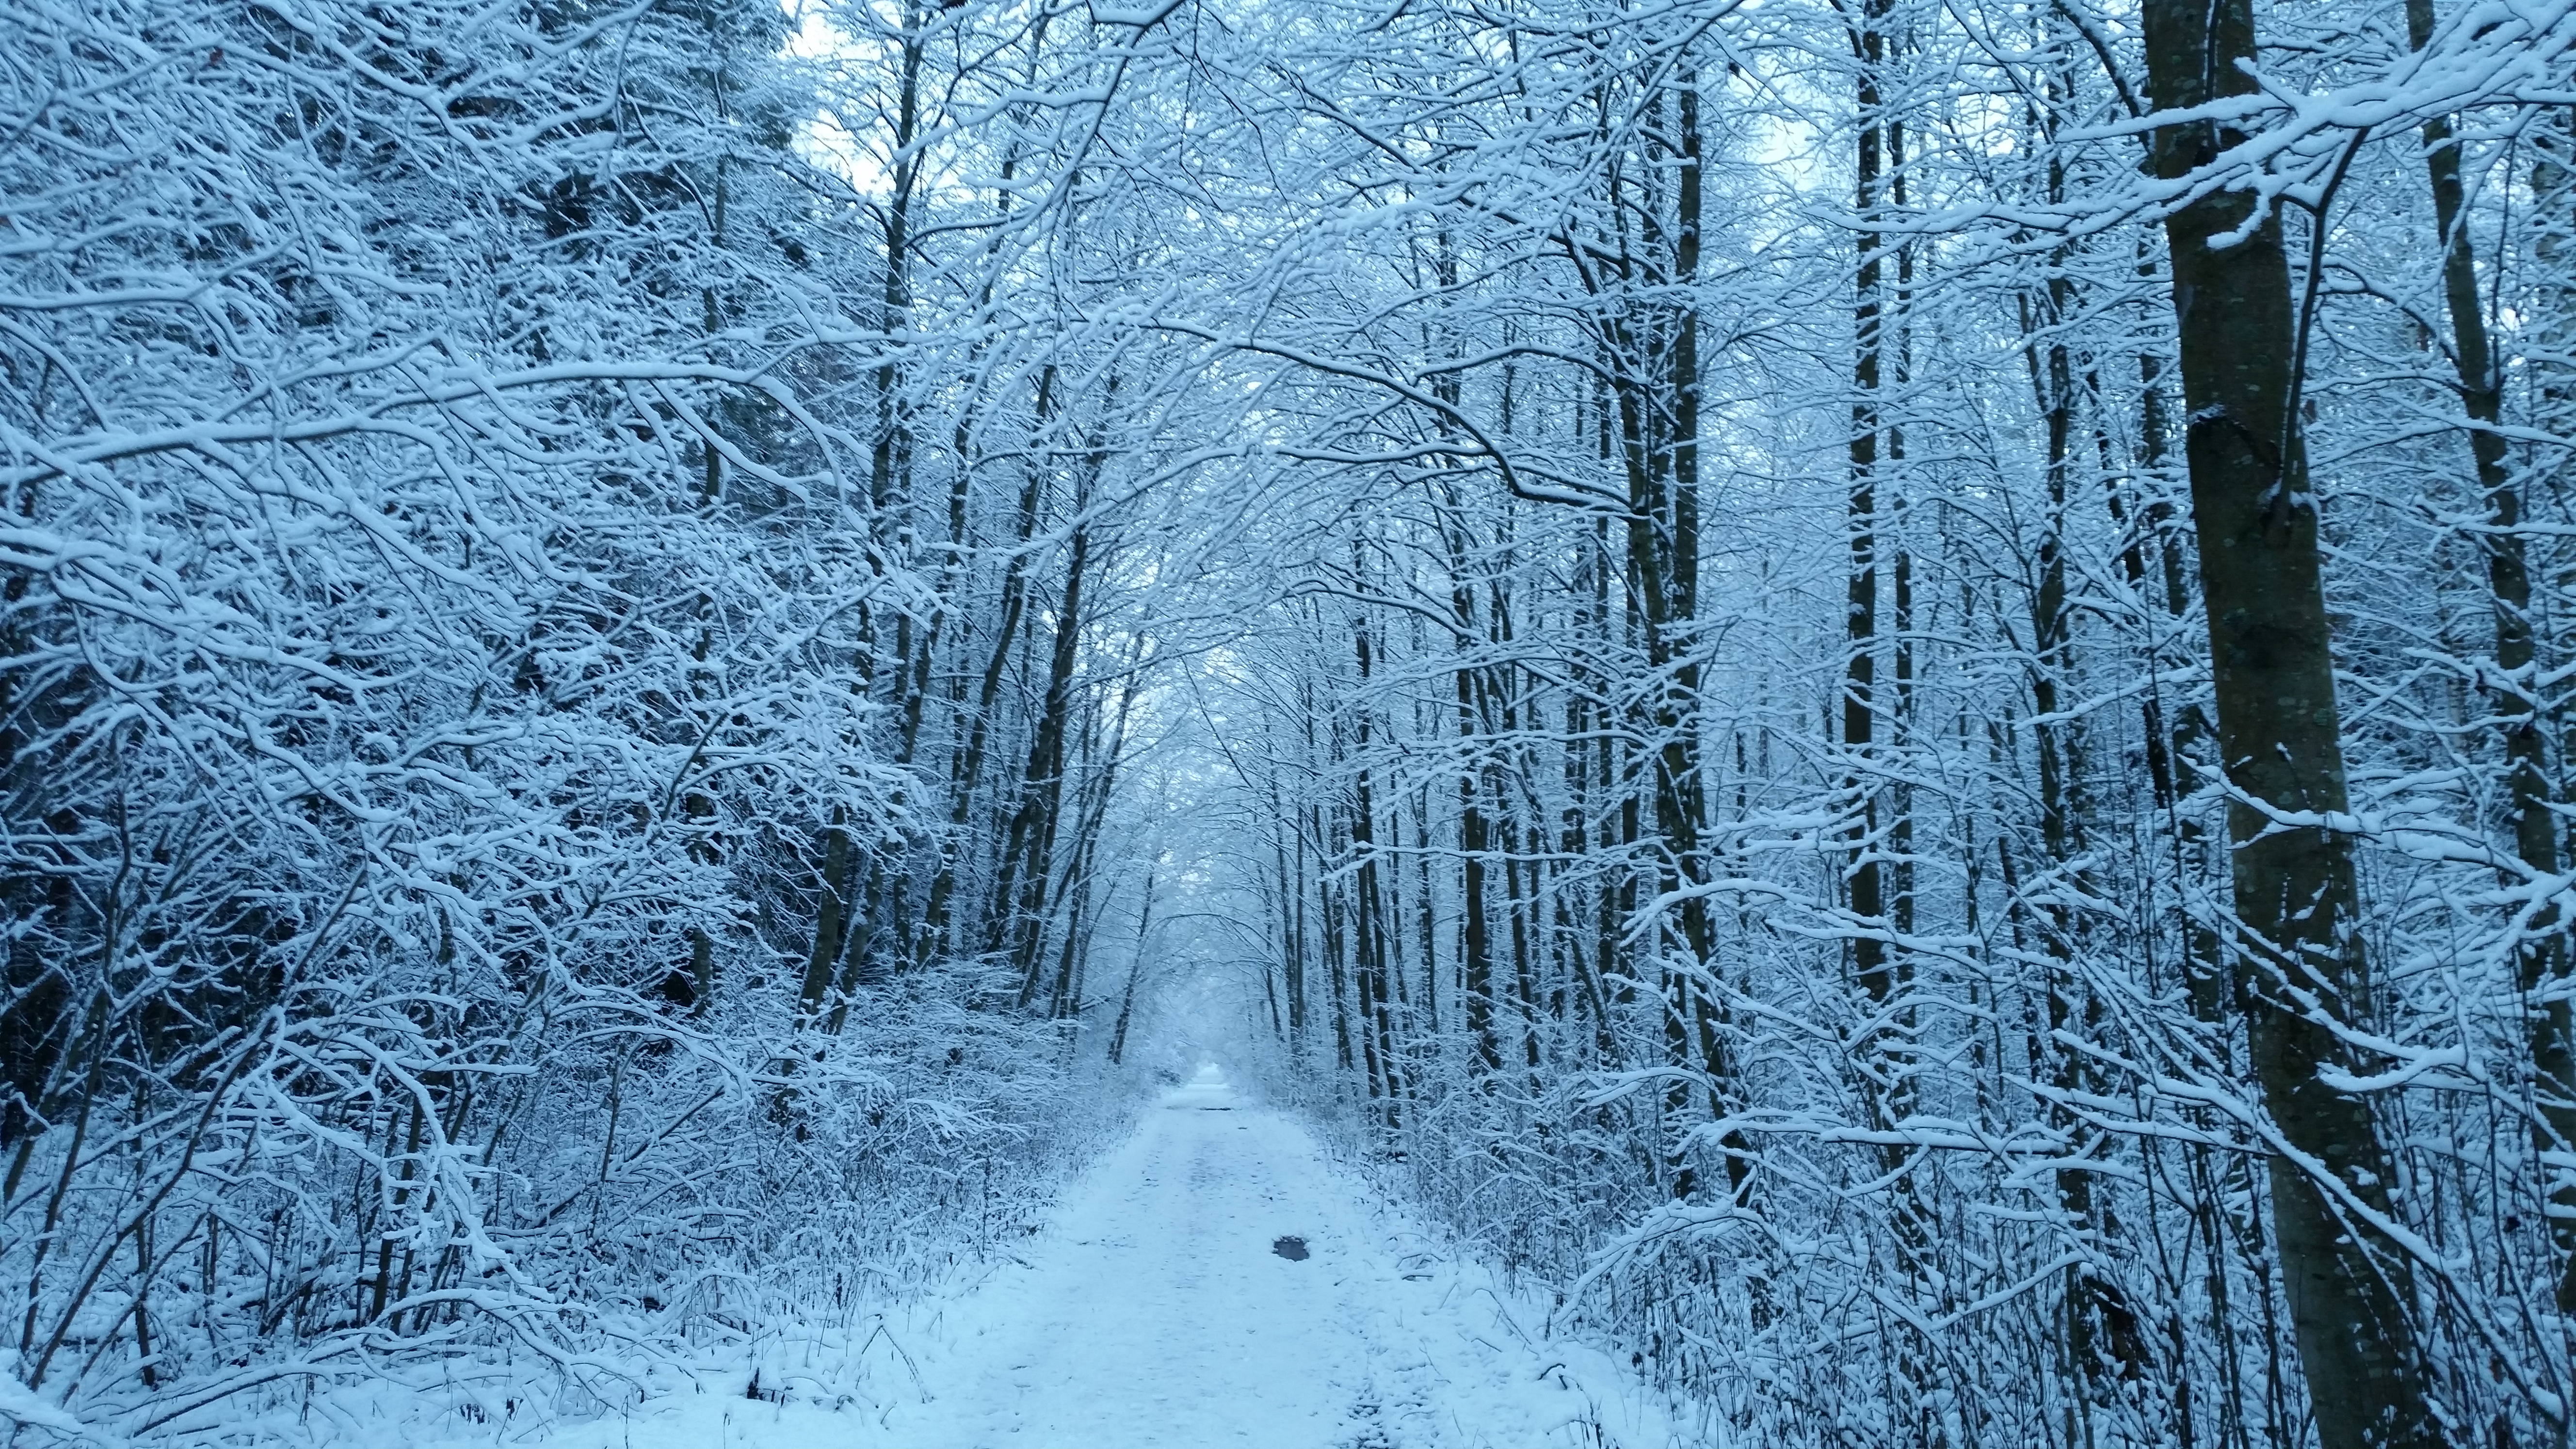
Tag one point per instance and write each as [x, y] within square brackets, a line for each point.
[1880, 692]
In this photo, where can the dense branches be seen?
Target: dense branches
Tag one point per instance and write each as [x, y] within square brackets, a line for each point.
[1860, 845]
[1802, 649]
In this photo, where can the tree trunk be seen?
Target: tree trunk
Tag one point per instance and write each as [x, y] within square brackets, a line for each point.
[1135, 968]
[829, 921]
[1865, 887]
[2279, 741]
[1476, 961]
[968, 771]
[2509, 589]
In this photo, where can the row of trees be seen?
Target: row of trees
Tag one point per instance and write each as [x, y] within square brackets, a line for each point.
[560, 682]
[1914, 734]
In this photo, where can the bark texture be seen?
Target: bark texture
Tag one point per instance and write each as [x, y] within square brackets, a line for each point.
[2280, 744]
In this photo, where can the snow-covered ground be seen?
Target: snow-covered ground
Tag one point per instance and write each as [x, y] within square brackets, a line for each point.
[1154, 1310]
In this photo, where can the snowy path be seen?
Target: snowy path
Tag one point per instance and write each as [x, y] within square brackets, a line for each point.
[1161, 1313]
[1153, 1311]
[1156, 1312]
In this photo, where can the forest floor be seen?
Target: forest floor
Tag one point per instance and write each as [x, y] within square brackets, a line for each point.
[1157, 1309]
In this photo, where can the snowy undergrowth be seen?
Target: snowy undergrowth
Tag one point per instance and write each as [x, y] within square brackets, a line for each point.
[757, 1250]
[1565, 1370]
[793, 1350]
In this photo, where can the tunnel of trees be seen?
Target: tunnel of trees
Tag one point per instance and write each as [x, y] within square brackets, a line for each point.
[1875, 684]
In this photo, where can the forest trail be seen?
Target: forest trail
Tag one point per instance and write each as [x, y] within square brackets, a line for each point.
[1153, 1309]
[1157, 1310]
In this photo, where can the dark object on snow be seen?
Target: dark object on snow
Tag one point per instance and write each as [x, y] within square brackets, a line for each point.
[1292, 1249]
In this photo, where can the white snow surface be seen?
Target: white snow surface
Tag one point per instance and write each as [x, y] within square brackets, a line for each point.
[1153, 1310]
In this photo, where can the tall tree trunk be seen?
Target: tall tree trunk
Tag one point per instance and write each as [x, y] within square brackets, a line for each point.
[1089, 817]
[1900, 826]
[2279, 741]
[1029, 851]
[1657, 394]
[1865, 886]
[1135, 968]
[1476, 961]
[1426, 916]
[1370, 920]
[1292, 916]
[968, 770]
[2509, 589]
[830, 921]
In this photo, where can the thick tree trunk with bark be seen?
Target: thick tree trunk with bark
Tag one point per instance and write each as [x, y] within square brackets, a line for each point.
[2279, 742]
[1864, 876]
